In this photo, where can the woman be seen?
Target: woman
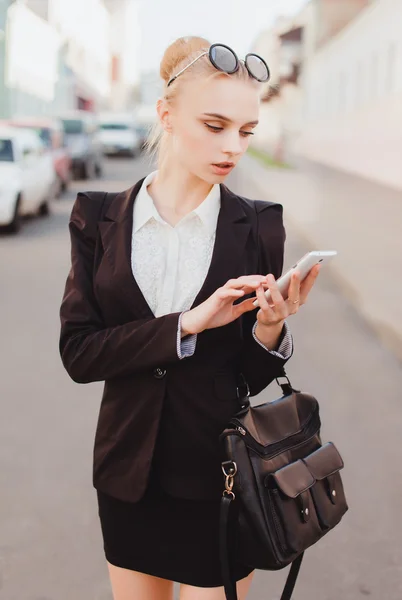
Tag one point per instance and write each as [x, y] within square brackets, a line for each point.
[158, 304]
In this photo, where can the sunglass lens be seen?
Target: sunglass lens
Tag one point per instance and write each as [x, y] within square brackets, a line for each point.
[257, 67]
[223, 59]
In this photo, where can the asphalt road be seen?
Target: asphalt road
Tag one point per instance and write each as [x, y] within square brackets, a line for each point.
[50, 542]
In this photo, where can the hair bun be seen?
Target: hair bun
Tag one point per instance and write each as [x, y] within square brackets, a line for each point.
[178, 52]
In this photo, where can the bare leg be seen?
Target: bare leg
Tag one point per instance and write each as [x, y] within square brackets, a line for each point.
[131, 585]
[188, 592]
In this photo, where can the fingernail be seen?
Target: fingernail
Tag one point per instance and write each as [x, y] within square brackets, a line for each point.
[271, 279]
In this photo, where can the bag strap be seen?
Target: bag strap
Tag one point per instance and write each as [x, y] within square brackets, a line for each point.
[229, 582]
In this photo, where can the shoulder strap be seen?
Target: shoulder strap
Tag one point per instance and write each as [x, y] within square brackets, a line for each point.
[228, 581]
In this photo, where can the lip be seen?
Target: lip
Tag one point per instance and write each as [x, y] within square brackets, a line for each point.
[218, 170]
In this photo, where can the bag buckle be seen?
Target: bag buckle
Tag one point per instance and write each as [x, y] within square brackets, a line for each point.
[286, 386]
[229, 469]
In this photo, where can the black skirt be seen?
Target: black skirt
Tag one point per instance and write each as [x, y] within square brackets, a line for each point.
[167, 537]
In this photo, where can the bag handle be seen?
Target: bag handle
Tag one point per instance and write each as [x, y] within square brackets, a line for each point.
[228, 581]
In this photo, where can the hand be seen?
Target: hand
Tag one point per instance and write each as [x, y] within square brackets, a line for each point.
[218, 309]
[270, 317]
[280, 309]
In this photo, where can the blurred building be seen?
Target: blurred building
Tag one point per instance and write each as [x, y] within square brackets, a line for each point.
[125, 43]
[336, 90]
[55, 56]
[352, 84]
[29, 61]
[4, 5]
[85, 31]
[149, 90]
[282, 46]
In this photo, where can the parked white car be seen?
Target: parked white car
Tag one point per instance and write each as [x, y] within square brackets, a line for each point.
[118, 135]
[27, 176]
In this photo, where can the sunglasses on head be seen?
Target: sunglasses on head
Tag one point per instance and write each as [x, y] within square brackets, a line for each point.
[224, 59]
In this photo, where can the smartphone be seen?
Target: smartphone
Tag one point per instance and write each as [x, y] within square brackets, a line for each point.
[303, 266]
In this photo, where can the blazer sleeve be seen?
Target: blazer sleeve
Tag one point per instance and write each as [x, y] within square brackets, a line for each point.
[89, 350]
[258, 366]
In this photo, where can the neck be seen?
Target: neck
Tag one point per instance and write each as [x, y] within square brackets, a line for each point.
[176, 192]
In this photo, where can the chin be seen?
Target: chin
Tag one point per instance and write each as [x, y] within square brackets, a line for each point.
[213, 178]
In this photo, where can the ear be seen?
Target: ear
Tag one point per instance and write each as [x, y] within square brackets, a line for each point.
[164, 115]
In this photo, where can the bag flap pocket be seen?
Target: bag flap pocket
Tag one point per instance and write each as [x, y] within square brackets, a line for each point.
[324, 462]
[294, 479]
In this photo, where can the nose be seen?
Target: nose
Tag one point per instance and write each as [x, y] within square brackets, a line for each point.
[232, 143]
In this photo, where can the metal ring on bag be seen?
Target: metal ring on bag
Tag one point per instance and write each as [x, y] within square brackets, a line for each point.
[229, 494]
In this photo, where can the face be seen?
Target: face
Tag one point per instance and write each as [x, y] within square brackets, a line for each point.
[212, 122]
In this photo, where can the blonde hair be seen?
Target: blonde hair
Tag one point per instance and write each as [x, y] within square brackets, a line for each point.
[177, 56]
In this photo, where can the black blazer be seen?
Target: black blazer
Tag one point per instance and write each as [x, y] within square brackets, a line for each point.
[155, 407]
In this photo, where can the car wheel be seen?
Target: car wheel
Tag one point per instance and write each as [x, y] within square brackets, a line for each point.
[44, 209]
[15, 225]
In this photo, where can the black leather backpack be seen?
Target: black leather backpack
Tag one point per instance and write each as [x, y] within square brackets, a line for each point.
[283, 483]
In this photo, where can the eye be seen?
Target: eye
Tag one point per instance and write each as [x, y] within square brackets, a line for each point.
[212, 128]
[218, 129]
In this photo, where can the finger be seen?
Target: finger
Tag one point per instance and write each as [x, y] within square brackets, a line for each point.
[276, 296]
[293, 300]
[245, 306]
[308, 283]
[226, 293]
[263, 302]
[294, 287]
[246, 281]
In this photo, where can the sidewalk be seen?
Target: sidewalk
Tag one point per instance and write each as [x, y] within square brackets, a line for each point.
[360, 219]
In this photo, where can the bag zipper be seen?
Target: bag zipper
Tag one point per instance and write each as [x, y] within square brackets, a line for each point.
[310, 428]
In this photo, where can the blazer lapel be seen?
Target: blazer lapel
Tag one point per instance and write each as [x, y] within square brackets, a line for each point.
[116, 234]
[231, 236]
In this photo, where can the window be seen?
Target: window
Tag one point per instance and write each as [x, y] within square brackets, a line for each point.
[6, 151]
[115, 127]
[73, 126]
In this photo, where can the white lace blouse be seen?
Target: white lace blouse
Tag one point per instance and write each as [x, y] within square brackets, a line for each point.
[170, 264]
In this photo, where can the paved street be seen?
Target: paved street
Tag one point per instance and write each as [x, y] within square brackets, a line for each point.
[50, 542]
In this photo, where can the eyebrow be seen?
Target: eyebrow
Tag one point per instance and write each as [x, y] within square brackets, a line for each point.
[222, 118]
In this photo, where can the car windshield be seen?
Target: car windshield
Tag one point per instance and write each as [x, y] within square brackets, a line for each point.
[44, 133]
[73, 126]
[6, 151]
[115, 126]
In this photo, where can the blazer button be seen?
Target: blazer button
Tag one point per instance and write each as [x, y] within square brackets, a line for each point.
[159, 373]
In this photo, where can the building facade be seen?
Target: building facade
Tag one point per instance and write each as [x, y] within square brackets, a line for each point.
[352, 95]
[55, 56]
